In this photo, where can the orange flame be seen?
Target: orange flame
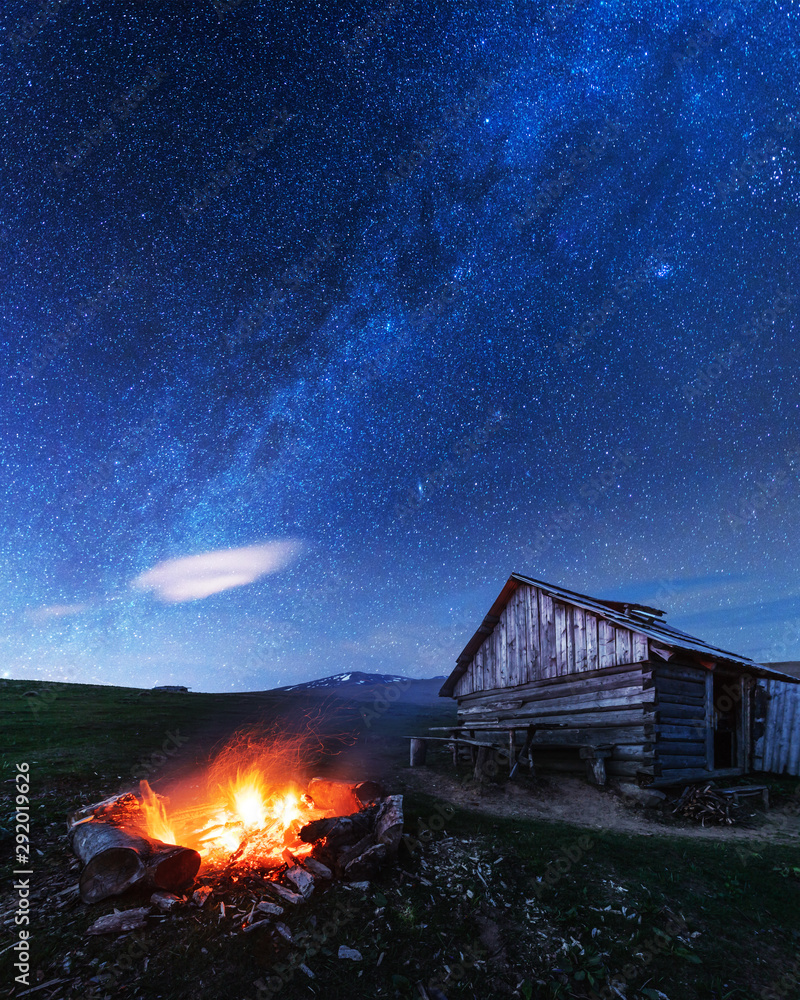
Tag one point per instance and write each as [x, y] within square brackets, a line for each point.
[251, 811]
[155, 814]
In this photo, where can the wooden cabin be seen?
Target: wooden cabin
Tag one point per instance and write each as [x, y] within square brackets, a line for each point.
[575, 677]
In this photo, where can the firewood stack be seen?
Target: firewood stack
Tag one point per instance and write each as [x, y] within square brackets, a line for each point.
[705, 805]
[355, 847]
[352, 846]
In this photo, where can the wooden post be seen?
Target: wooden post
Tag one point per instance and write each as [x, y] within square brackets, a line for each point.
[512, 758]
[595, 758]
[419, 752]
[708, 709]
[596, 770]
[481, 758]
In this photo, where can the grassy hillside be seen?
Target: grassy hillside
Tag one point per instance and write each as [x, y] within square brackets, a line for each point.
[481, 906]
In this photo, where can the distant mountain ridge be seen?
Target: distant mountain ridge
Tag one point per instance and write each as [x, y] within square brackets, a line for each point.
[354, 677]
[357, 686]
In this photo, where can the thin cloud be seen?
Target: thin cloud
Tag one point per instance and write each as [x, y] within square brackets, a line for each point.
[191, 578]
[57, 611]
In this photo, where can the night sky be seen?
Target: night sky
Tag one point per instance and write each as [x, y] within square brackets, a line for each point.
[366, 307]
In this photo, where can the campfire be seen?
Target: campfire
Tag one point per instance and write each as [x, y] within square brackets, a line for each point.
[248, 819]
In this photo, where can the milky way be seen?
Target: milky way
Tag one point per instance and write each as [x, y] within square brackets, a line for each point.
[416, 295]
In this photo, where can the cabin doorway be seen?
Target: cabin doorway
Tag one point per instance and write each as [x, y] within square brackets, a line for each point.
[725, 722]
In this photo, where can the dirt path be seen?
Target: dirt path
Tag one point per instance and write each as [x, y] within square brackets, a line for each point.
[569, 799]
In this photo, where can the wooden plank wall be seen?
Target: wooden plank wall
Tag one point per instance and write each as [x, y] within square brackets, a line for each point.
[613, 705]
[683, 720]
[539, 637]
[777, 746]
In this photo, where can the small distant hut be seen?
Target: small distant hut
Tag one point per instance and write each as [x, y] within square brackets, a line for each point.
[562, 677]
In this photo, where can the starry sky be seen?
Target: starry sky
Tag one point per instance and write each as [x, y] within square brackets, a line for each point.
[319, 320]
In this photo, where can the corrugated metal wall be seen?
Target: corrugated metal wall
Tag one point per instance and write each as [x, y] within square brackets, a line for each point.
[777, 749]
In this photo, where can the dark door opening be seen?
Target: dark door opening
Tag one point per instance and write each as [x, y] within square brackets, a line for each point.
[726, 724]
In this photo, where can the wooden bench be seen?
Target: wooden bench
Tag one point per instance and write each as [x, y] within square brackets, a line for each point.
[594, 756]
[745, 791]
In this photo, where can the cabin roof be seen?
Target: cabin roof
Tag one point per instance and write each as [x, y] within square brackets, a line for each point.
[637, 617]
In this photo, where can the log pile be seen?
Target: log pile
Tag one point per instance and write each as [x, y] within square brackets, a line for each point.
[355, 847]
[109, 838]
[705, 805]
[117, 852]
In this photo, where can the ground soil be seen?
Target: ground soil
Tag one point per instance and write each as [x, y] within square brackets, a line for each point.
[567, 798]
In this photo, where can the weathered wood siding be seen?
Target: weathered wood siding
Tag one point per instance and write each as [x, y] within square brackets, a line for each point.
[538, 638]
[683, 720]
[777, 727]
[607, 706]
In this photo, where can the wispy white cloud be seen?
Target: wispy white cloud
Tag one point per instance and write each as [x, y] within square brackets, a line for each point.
[191, 578]
[57, 611]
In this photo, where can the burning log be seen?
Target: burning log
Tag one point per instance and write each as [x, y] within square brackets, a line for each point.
[117, 857]
[343, 797]
[133, 839]
[356, 846]
[339, 831]
[120, 810]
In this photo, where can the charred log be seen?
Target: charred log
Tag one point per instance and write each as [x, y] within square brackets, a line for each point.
[117, 857]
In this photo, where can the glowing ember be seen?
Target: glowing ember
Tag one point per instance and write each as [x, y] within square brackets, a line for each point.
[249, 814]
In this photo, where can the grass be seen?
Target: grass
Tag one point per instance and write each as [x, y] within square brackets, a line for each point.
[479, 907]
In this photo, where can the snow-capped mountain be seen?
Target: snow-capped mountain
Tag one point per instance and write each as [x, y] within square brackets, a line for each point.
[355, 677]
